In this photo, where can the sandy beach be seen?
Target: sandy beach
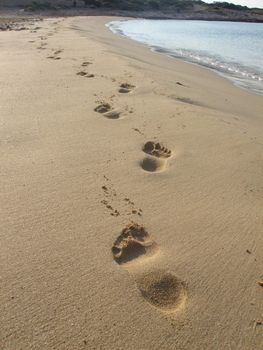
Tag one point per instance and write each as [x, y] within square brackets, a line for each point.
[131, 196]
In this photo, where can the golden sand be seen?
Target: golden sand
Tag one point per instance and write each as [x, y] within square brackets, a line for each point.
[131, 197]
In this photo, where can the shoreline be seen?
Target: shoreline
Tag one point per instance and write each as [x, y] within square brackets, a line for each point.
[233, 80]
[186, 67]
[131, 190]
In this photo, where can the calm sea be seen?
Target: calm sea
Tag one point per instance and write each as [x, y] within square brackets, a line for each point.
[233, 49]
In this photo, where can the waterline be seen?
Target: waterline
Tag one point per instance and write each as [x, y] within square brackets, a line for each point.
[234, 50]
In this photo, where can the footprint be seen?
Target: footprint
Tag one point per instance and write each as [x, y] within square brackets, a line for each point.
[55, 54]
[103, 108]
[85, 74]
[160, 288]
[107, 110]
[188, 100]
[58, 52]
[54, 57]
[156, 159]
[133, 242]
[42, 46]
[152, 164]
[125, 88]
[163, 290]
[86, 63]
[90, 75]
[156, 149]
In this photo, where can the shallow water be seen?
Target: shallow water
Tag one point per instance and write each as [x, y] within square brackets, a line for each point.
[233, 49]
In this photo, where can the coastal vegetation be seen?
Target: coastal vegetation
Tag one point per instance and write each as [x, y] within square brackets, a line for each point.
[181, 9]
[138, 5]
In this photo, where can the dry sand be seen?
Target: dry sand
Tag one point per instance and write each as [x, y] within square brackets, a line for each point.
[130, 219]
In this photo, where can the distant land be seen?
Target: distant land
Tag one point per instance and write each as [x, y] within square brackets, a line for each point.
[173, 9]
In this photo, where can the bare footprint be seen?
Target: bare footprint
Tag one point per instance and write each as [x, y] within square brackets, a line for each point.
[188, 100]
[58, 52]
[54, 57]
[125, 88]
[133, 242]
[103, 108]
[163, 290]
[85, 74]
[159, 288]
[156, 149]
[55, 54]
[107, 110]
[86, 63]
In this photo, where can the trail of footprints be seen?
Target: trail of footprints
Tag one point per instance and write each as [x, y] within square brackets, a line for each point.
[44, 42]
[160, 288]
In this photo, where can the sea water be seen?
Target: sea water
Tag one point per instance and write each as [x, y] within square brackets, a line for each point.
[233, 49]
